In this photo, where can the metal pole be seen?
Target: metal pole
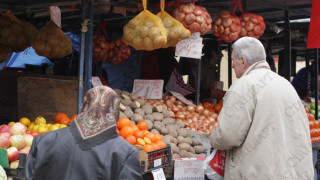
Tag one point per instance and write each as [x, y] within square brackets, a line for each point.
[229, 65]
[198, 78]
[317, 83]
[287, 46]
[81, 60]
[88, 49]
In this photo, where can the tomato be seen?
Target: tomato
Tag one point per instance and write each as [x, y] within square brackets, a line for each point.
[27, 131]
[306, 109]
[33, 133]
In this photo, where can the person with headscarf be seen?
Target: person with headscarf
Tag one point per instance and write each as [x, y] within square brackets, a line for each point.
[89, 148]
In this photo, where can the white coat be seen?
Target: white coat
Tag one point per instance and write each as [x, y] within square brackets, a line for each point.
[264, 128]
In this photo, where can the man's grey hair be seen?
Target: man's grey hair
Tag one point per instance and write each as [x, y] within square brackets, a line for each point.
[249, 47]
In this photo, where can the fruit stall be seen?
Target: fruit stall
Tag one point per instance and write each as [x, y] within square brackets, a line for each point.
[163, 129]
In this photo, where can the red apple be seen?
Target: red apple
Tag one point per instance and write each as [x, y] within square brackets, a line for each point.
[4, 128]
[14, 164]
[28, 138]
[17, 129]
[6, 134]
[4, 140]
[13, 154]
[25, 150]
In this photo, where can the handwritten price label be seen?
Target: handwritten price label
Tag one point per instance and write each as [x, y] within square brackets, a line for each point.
[191, 47]
[149, 89]
[189, 168]
[55, 14]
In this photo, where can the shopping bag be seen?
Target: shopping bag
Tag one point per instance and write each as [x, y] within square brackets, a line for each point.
[145, 31]
[175, 29]
[214, 165]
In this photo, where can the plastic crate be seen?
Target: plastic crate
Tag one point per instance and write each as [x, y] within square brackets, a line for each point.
[18, 173]
[157, 159]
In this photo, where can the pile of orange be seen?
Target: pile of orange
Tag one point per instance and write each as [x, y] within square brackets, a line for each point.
[139, 135]
[314, 127]
[63, 118]
[214, 108]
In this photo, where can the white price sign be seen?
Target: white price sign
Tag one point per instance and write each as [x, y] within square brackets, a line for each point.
[158, 174]
[149, 89]
[191, 47]
[55, 14]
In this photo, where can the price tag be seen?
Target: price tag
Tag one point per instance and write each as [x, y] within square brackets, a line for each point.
[191, 47]
[55, 14]
[182, 98]
[95, 81]
[148, 89]
[157, 162]
[158, 174]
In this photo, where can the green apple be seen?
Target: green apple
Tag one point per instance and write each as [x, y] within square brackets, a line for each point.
[313, 105]
[308, 107]
[312, 111]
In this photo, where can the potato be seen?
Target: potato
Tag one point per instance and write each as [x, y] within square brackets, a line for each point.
[195, 142]
[133, 97]
[199, 149]
[188, 140]
[171, 127]
[124, 96]
[184, 146]
[167, 22]
[202, 155]
[175, 156]
[180, 123]
[125, 93]
[159, 41]
[157, 108]
[166, 113]
[150, 124]
[157, 116]
[173, 133]
[174, 140]
[191, 155]
[139, 111]
[166, 139]
[180, 139]
[128, 112]
[155, 131]
[174, 148]
[182, 132]
[164, 131]
[126, 102]
[135, 105]
[192, 150]
[118, 91]
[136, 118]
[157, 127]
[122, 107]
[147, 108]
[122, 115]
[183, 154]
[140, 101]
[168, 121]
[150, 117]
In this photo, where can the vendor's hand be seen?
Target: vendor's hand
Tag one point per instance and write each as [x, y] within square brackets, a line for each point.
[217, 93]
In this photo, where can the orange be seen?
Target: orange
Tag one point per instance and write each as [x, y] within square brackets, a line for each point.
[73, 116]
[122, 122]
[155, 146]
[212, 110]
[59, 116]
[138, 134]
[134, 127]
[142, 125]
[126, 131]
[217, 107]
[147, 148]
[64, 120]
[161, 144]
[206, 105]
[131, 139]
[151, 136]
[147, 140]
[140, 142]
[317, 124]
[157, 137]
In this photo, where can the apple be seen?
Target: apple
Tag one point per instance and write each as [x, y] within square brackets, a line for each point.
[28, 138]
[4, 140]
[14, 164]
[25, 150]
[7, 134]
[313, 105]
[13, 154]
[4, 128]
[17, 129]
[17, 141]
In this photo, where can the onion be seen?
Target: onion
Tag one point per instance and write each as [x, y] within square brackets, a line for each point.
[226, 22]
[169, 103]
[187, 9]
[190, 18]
[245, 18]
[199, 108]
[218, 21]
[172, 114]
[180, 16]
[257, 30]
[188, 121]
[243, 32]
[205, 113]
[178, 102]
[180, 108]
[211, 119]
[249, 26]
[194, 126]
[180, 115]
[201, 117]
[172, 98]
[234, 36]
[226, 31]
[190, 108]
[175, 109]
[200, 19]
[197, 11]
[194, 119]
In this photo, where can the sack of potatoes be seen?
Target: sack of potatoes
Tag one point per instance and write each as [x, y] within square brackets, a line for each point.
[145, 32]
[51, 42]
[15, 33]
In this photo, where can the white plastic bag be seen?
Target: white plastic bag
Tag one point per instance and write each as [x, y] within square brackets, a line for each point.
[214, 165]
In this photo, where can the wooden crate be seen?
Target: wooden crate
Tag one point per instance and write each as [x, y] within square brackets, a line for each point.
[40, 96]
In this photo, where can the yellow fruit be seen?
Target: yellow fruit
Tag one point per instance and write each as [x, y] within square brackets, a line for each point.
[41, 130]
[42, 125]
[30, 127]
[40, 120]
[53, 128]
[48, 125]
[63, 126]
[35, 127]
[11, 123]
[25, 121]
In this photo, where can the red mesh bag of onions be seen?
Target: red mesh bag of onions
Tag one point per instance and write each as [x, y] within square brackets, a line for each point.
[227, 27]
[118, 52]
[193, 17]
[252, 25]
[100, 45]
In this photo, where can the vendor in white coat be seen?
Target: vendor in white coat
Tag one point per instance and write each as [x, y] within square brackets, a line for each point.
[262, 125]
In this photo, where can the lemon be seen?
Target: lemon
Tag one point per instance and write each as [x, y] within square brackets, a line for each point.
[30, 127]
[63, 126]
[35, 128]
[25, 121]
[41, 130]
[48, 125]
[42, 125]
[40, 120]
[53, 128]
[11, 123]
